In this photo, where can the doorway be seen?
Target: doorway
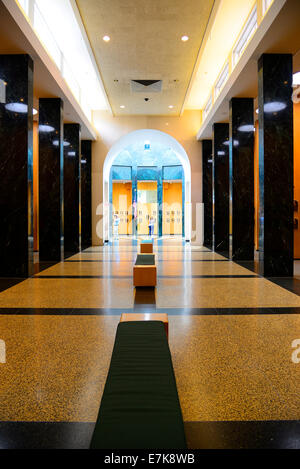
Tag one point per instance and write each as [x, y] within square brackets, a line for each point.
[131, 158]
[147, 206]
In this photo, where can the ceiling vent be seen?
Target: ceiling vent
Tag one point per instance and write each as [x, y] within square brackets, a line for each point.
[149, 86]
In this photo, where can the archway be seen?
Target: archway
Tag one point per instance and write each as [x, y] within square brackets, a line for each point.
[157, 137]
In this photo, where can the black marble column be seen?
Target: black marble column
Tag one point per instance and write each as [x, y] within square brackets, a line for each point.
[51, 165]
[16, 166]
[241, 178]
[221, 188]
[72, 157]
[86, 194]
[276, 164]
[207, 192]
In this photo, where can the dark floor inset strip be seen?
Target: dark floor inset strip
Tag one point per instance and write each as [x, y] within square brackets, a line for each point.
[156, 251]
[46, 435]
[132, 260]
[130, 276]
[146, 307]
[276, 434]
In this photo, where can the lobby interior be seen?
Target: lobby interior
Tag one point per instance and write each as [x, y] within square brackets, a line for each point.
[184, 112]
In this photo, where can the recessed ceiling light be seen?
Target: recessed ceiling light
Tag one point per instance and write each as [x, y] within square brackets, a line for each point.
[106, 38]
[171, 106]
[184, 38]
[122, 107]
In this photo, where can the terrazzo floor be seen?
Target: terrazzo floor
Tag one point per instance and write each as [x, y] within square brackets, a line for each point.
[230, 333]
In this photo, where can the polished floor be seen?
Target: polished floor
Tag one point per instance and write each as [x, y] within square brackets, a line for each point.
[231, 334]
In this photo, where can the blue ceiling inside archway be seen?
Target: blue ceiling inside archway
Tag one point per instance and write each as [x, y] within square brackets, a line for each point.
[136, 155]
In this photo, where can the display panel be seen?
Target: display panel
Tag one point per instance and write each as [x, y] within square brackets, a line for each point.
[172, 208]
[122, 207]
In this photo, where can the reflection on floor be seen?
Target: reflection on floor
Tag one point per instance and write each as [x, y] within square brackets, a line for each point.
[231, 335]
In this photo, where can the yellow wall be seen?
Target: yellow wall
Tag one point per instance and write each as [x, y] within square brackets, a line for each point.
[122, 202]
[172, 208]
[144, 211]
[110, 129]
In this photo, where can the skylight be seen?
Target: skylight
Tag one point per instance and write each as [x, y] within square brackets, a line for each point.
[58, 25]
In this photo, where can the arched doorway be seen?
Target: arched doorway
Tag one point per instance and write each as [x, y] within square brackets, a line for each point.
[136, 158]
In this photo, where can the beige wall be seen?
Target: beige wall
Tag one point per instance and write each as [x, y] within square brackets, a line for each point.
[110, 129]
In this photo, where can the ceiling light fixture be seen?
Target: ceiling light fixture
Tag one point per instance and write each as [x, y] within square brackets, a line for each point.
[274, 107]
[122, 107]
[46, 128]
[106, 38]
[171, 106]
[19, 108]
[246, 128]
[235, 143]
[56, 143]
[184, 38]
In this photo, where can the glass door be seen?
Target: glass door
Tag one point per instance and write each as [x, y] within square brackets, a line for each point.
[147, 208]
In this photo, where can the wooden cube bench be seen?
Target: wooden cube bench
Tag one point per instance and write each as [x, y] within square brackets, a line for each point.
[146, 247]
[140, 408]
[163, 317]
[144, 271]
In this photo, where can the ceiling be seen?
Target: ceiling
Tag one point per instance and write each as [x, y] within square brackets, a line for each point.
[146, 45]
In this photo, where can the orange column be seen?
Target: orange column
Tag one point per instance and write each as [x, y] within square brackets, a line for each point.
[297, 177]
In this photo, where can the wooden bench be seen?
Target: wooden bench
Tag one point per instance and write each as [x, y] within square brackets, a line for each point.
[163, 317]
[140, 407]
[144, 271]
[146, 247]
